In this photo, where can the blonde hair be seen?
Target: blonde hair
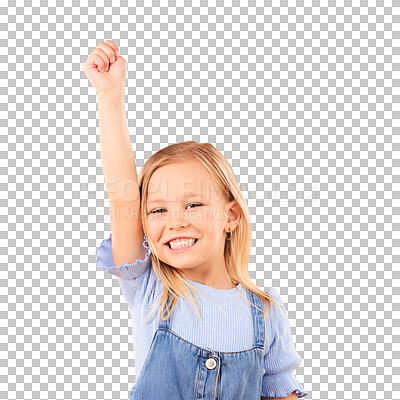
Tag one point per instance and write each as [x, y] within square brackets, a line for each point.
[236, 251]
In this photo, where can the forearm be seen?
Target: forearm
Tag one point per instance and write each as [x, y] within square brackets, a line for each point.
[118, 160]
[292, 396]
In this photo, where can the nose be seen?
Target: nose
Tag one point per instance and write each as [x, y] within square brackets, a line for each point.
[177, 219]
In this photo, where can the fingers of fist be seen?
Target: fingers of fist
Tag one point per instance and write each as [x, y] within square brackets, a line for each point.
[105, 54]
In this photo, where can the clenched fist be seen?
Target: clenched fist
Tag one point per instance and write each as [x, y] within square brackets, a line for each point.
[105, 68]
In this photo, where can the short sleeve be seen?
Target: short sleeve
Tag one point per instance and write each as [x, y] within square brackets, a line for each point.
[282, 359]
[105, 261]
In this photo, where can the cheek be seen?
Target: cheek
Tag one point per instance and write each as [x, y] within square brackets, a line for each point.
[154, 228]
[210, 222]
[215, 219]
[209, 215]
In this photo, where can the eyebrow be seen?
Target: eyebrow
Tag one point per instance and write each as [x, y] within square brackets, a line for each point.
[187, 195]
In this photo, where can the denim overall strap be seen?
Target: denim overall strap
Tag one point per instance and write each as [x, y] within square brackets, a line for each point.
[165, 324]
[258, 319]
[177, 369]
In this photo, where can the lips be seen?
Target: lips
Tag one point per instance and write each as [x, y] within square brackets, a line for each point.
[180, 238]
[168, 243]
[181, 249]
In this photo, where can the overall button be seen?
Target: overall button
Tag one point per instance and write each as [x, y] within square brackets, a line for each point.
[211, 363]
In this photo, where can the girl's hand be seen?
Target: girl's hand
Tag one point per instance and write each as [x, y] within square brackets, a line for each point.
[105, 68]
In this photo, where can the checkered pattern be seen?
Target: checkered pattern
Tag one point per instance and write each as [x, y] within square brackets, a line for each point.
[304, 103]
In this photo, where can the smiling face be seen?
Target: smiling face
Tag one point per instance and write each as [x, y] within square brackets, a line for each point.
[183, 201]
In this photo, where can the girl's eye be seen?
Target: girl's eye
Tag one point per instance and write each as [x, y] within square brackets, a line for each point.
[193, 204]
[156, 211]
[161, 209]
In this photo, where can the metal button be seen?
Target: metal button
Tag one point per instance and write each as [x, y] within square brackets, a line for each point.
[211, 363]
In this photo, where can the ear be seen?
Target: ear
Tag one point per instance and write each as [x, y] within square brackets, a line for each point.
[234, 215]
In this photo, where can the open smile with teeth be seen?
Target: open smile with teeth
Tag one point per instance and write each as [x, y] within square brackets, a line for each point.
[181, 243]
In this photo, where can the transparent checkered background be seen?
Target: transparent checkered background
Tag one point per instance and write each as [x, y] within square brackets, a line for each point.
[303, 100]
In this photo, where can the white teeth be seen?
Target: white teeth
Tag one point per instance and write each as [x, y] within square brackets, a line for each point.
[181, 243]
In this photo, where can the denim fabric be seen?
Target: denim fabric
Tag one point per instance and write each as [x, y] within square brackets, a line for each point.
[176, 369]
[226, 322]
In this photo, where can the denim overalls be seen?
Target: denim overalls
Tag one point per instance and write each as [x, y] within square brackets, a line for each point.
[176, 369]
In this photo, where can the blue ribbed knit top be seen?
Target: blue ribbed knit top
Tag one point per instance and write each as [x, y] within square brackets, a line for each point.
[225, 324]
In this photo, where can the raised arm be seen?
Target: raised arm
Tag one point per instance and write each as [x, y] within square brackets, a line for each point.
[119, 170]
[117, 156]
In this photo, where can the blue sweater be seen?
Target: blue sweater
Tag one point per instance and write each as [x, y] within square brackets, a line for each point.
[225, 326]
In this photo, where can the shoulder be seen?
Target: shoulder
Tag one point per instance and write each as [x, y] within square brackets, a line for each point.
[273, 293]
[279, 309]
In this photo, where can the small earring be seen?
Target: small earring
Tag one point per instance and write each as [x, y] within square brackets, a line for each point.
[230, 235]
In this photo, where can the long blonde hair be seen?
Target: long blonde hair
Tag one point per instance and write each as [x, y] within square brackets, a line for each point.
[236, 251]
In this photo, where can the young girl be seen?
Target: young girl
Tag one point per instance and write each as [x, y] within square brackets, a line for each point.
[180, 244]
